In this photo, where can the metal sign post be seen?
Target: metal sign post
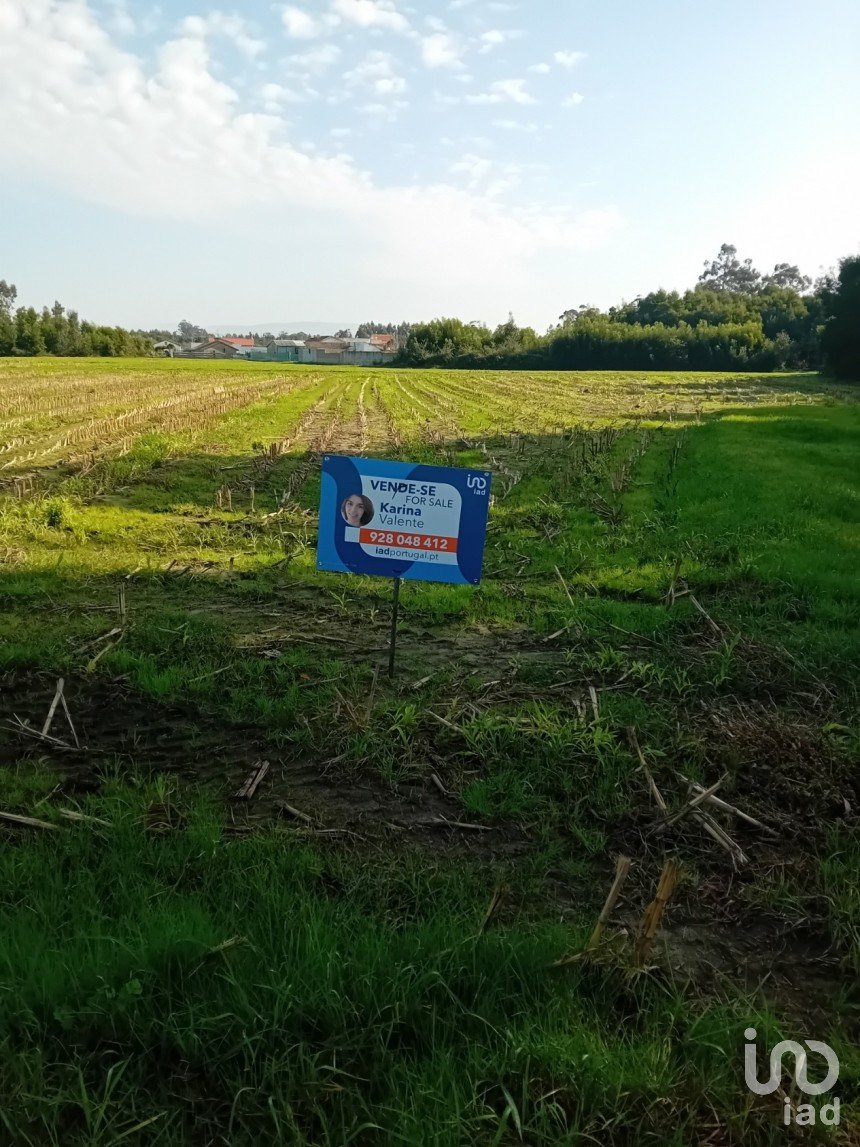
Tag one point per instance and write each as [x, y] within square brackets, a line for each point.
[392, 644]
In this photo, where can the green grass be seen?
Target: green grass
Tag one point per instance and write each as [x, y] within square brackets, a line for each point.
[362, 1005]
[333, 1005]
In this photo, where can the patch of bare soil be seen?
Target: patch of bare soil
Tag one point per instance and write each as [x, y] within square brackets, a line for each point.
[307, 617]
[122, 729]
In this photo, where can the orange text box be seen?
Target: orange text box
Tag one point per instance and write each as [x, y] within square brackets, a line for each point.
[404, 540]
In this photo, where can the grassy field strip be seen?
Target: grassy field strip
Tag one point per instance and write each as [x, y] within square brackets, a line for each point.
[110, 433]
[479, 412]
[83, 409]
[511, 405]
[392, 432]
[179, 414]
[427, 408]
[403, 413]
[378, 429]
[608, 397]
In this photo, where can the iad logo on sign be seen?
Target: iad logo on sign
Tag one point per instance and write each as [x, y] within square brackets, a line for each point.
[805, 1112]
[402, 520]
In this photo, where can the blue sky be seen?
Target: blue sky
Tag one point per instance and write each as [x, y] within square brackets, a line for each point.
[344, 160]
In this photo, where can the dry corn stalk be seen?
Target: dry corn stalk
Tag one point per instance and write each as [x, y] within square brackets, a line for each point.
[653, 915]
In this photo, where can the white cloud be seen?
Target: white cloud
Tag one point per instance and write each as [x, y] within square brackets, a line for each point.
[377, 72]
[474, 167]
[382, 111]
[231, 27]
[121, 19]
[568, 59]
[313, 61]
[390, 85]
[495, 38]
[541, 69]
[371, 14]
[573, 100]
[275, 96]
[502, 91]
[515, 125]
[168, 140]
[440, 51]
[299, 24]
[492, 178]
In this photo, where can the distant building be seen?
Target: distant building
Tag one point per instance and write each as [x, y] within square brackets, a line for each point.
[332, 345]
[326, 343]
[167, 348]
[284, 350]
[384, 342]
[213, 348]
[327, 351]
[238, 341]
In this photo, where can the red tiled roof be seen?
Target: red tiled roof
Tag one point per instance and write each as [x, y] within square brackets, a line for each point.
[382, 340]
[238, 341]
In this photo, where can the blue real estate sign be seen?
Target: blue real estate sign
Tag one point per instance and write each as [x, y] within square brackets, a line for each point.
[399, 519]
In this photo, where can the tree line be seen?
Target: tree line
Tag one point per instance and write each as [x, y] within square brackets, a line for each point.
[734, 318]
[26, 331]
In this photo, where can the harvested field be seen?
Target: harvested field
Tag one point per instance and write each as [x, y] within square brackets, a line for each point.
[363, 950]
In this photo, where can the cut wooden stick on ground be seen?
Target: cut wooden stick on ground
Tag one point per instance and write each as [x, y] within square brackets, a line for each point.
[437, 781]
[252, 781]
[82, 817]
[670, 596]
[643, 765]
[692, 803]
[622, 868]
[98, 640]
[20, 726]
[702, 818]
[720, 803]
[26, 821]
[93, 662]
[461, 824]
[69, 720]
[444, 721]
[705, 615]
[653, 915]
[719, 834]
[295, 813]
[499, 895]
[60, 699]
[46, 728]
[564, 585]
[679, 588]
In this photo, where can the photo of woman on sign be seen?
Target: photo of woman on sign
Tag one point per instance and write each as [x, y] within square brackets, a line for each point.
[357, 510]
